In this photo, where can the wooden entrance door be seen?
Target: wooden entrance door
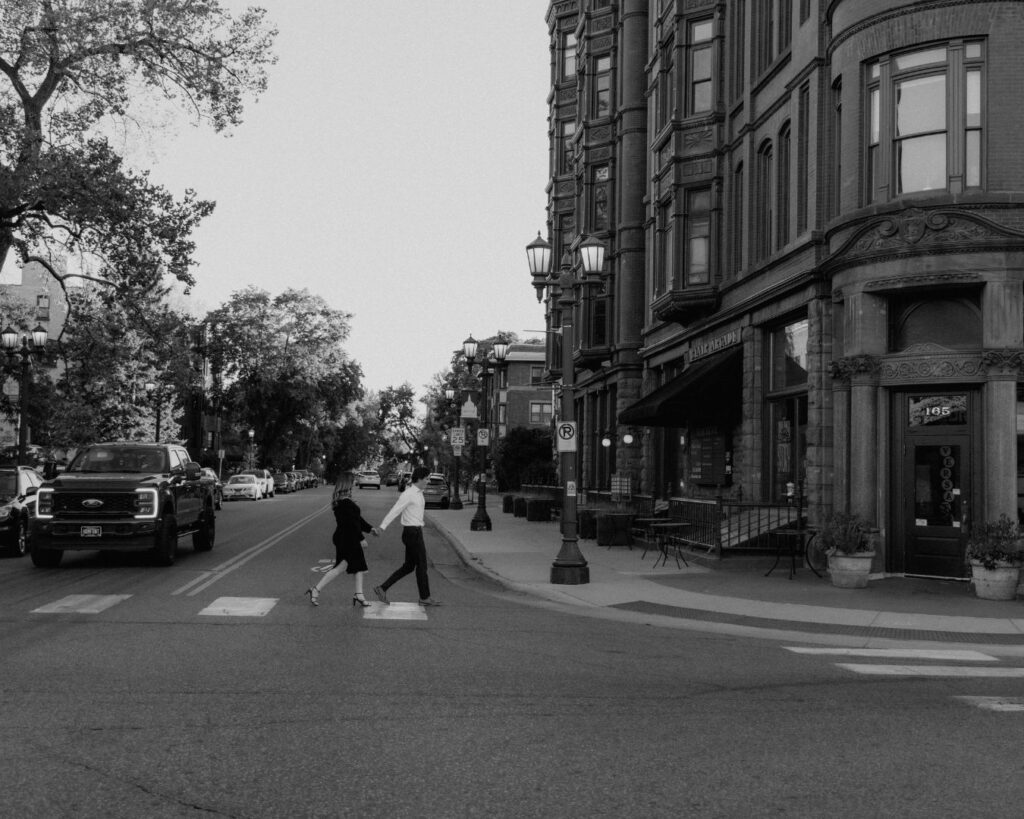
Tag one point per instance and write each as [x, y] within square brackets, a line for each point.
[934, 481]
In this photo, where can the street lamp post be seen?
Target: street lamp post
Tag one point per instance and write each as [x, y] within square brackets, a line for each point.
[157, 391]
[456, 501]
[481, 521]
[252, 449]
[24, 348]
[569, 567]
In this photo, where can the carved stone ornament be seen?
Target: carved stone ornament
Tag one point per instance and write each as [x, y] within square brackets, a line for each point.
[1004, 362]
[923, 231]
[844, 369]
[919, 368]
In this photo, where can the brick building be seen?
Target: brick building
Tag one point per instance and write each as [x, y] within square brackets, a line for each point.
[812, 212]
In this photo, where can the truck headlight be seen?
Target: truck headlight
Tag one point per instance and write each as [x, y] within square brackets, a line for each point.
[5, 511]
[44, 503]
[146, 503]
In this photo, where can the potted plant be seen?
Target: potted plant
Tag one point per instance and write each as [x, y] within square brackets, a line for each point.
[848, 541]
[996, 554]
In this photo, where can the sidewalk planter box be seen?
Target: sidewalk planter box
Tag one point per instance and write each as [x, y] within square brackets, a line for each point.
[999, 583]
[850, 571]
[996, 552]
[519, 507]
[538, 509]
[507, 503]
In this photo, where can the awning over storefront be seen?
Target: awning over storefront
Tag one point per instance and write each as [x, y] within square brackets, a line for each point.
[706, 386]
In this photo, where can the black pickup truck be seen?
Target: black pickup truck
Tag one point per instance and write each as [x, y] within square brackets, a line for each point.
[128, 497]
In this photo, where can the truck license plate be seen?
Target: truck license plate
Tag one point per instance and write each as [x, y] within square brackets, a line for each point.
[92, 531]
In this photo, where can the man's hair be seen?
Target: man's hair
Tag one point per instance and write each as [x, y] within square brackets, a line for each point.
[419, 473]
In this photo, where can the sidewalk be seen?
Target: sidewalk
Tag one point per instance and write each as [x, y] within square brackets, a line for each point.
[625, 585]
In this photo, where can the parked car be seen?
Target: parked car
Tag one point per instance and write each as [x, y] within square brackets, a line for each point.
[366, 480]
[295, 479]
[243, 485]
[391, 479]
[403, 480]
[18, 488]
[435, 491]
[265, 479]
[282, 483]
[308, 478]
[210, 475]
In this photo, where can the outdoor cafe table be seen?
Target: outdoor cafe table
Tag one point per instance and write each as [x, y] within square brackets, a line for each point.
[662, 531]
[613, 529]
[645, 524]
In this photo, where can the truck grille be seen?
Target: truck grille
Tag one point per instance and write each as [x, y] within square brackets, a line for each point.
[115, 504]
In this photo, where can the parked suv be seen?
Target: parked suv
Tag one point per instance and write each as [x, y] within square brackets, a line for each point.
[18, 486]
[127, 497]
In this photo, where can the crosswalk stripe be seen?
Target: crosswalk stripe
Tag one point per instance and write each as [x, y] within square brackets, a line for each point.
[930, 670]
[240, 606]
[394, 611]
[82, 604]
[889, 653]
[1003, 704]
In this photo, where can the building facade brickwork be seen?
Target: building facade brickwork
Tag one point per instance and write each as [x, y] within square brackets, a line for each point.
[813, 216]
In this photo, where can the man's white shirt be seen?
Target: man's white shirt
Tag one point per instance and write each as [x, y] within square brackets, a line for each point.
[410, 505]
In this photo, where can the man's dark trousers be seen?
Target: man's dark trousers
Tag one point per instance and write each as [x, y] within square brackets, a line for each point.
[415, 561]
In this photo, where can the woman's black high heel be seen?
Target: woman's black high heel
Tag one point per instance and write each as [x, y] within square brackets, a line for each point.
[359, 600]
[314, 595]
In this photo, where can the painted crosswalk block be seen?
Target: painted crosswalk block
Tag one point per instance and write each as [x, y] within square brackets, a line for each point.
[1001, 704]
[240, 607]
[931, 670]
[394, 611]
[82, 604]
[947, 654]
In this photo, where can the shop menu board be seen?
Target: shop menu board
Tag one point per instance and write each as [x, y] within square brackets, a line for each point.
[709, 458]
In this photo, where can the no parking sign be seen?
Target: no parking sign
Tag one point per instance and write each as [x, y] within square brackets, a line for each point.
[566, 435]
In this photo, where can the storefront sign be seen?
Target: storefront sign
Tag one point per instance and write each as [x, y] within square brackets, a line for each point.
[703, 349]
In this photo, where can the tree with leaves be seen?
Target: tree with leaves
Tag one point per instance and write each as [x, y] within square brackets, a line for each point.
[72, 71]
[281, 369]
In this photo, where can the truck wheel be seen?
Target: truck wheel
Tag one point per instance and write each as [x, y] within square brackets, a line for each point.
[166, 547]
[218, 503]
[46, 558]
[203, 537]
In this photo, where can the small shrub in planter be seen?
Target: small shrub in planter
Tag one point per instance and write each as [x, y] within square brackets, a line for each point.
[845, 540]
[996, 553]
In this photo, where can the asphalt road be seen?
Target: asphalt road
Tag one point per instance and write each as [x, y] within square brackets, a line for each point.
[213, 688]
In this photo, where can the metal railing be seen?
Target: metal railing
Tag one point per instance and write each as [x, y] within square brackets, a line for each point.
[718, 526]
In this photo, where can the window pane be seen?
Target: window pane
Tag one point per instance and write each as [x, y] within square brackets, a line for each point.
[789, 355]
[921, 163]
[701, 96]
[919, 58]
[702, 31]
[874, 102]
[973, 99]
[973, 51]
[697, 269]
[972, 170]
[702, 64]
[921, 105]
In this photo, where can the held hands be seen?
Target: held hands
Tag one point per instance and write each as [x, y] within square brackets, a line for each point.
[375, 531]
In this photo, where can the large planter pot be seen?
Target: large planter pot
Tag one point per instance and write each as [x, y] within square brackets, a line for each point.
[999, 583]
[850, 571]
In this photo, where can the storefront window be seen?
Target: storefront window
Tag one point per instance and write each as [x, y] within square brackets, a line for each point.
[786, 411]
[1020, 452]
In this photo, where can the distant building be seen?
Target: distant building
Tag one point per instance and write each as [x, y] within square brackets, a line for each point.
[522, 395]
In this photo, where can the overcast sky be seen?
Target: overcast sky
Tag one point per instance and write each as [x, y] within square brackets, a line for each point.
[396, 166]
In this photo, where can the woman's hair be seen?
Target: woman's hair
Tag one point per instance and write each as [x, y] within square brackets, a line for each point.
[343, 486]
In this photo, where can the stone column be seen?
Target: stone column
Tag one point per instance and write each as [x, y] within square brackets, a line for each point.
[1002, 308]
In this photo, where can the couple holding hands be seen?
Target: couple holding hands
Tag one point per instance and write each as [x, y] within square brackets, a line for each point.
[349, 542]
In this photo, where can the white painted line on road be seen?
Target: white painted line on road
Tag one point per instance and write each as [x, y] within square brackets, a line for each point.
[930, 670]
[240, 606]
[207, 579]
[323, 566]
[394, 611]
[82, 604]
[889, 653]
[1003, 704]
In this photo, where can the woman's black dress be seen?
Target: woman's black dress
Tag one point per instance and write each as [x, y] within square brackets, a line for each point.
[348, 536]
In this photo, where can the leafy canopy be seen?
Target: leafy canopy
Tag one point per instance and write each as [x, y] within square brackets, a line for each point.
[70, 72]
